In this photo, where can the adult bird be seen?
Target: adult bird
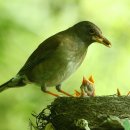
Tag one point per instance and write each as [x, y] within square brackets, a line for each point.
[57, 57]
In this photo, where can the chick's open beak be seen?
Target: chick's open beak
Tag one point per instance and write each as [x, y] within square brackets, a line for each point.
[102, 40]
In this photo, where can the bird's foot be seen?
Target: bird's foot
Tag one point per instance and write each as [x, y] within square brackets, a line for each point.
[77, 93]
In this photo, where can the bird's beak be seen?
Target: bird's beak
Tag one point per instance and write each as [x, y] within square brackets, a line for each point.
[102, 40]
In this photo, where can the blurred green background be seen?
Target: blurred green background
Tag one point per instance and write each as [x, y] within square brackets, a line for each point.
[24, 24]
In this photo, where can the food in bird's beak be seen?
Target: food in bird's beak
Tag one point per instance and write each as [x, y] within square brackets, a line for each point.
[102, 40]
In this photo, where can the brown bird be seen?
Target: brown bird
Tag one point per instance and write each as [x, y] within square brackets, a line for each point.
[57, 57]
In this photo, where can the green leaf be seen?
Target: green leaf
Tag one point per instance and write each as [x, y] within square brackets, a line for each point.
[126, 124]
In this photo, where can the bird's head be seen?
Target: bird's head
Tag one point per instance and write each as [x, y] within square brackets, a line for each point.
[89, 33]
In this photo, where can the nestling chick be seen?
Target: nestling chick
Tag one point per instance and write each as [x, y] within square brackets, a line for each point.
[87, 87]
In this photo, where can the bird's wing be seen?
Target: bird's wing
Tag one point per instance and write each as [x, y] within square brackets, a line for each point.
[44, 50]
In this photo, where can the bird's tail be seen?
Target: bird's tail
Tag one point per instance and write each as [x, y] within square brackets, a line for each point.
[12, 83]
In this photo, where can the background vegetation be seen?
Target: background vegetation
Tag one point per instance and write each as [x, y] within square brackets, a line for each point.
[26, 23]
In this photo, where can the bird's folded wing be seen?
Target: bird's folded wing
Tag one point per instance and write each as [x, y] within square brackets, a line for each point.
[44, 51]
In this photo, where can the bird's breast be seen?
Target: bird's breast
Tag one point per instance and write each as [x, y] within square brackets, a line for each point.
[58, 66]
[65, 64]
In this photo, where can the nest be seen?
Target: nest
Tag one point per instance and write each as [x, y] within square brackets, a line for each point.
[84, 113]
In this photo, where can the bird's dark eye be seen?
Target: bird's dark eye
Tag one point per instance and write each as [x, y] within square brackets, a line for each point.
[91, 31]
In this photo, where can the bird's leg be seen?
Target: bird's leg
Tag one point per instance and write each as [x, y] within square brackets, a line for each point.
[44, 89]
[58, 88]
